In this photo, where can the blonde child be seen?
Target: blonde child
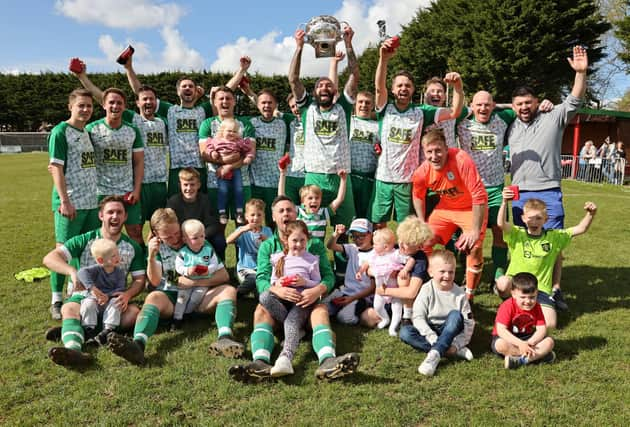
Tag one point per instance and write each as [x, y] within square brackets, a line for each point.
[229, 148]
[317, 218]
[442, 320]
[413, 234]
[384, 264]
[520, 332]
[247, 239]
[534, 249]
[294, 269]
[195, 260]
[104, 281]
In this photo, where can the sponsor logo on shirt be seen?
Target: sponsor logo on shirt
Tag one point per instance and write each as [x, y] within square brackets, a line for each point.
[88, 160]
[265, 144]
[155, 139]
[359, 135]
[113, 156]
[326, 127]
[400, 136]
[483, 141]
[186, 125]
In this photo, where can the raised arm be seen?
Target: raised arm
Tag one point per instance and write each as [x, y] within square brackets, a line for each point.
[332, 241]
[333, 69]
[233, 83]
[455, 80]
[579, 63]
[583, 226]
[385, 53]
[341, 193]
[96, 92]
[352, 84]
[132, 78]
[297, 87]
[503, 223]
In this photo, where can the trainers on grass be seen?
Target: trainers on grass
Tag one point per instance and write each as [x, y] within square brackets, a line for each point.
[68, 357]
[464, 353]
[227, 347]
[558, 298]
[513, 362]
[251, 372]
[548, 358]
[55, 310]
[430, 363]
[282, 367]
[125, 347]
[337, 367]
[53, 334]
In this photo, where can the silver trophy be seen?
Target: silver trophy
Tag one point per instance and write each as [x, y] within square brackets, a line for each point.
[323, 32]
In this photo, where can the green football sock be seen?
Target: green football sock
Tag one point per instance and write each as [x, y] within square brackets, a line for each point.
[56, 282]
[224, 316]
[500, 260]
[146, 323]
[262, 342]
[72, 334]
[323, 342]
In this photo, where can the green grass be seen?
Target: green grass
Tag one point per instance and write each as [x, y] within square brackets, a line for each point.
[182, 385]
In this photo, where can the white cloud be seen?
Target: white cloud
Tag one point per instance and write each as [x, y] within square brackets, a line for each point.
[127, 14]
[177, 55]
[271, 54]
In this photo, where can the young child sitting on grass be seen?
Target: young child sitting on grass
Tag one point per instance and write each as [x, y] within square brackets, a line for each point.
[294, 269]
[520, 333]
[442, 320]
[413, 234]
[247, 239]
[195, 260]
[104, 281]
[384, 263]
[534, 249]
[230, 148]
[317, 218]
[352, 302]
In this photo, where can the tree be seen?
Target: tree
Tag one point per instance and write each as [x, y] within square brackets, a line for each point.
[497, 45]
[622, 32]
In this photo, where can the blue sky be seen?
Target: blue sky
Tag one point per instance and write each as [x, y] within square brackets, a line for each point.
[185, 34]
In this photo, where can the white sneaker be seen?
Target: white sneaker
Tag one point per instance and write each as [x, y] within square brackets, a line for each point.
[464, 353]
[430, 364]
[282, 367]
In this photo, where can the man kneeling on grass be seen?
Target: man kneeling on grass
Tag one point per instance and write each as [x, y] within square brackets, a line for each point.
[113, 214]
[520, 332]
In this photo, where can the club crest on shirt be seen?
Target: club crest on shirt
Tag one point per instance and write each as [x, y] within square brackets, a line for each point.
[450, 176]
[546, 247]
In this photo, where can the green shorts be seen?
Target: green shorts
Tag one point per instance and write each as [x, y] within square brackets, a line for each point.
[495, 197]
[86, 220]
[76, 297]
[390, 195]
[134, 212]
[363, 188]
[266, 195]
[292, 187]
[329, 183]
[212, 195]
[173, 180]
[152, 197]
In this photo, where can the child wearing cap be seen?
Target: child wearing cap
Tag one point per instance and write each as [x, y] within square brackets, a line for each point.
[352, 302]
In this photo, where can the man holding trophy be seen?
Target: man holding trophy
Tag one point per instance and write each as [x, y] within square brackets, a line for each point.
[326, 122]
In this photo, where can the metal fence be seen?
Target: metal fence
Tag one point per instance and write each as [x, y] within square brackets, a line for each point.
[612, 171]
